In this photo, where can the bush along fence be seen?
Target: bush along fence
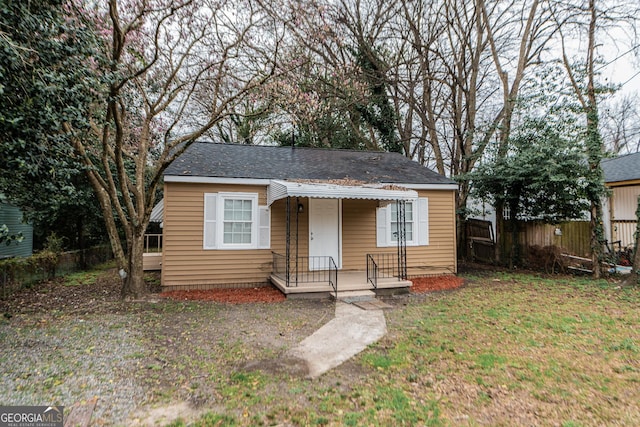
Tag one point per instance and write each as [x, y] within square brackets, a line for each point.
[16, 273]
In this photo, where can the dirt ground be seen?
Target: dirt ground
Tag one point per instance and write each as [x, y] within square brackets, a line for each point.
[154, 355]
[103, 296]
[504, 349]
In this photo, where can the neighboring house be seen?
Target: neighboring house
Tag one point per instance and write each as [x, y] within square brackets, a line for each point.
[307, 220]
[12, 218]
[622, 177]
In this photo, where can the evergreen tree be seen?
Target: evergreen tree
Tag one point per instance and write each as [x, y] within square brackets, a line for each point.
[542, 176]
[46, 79]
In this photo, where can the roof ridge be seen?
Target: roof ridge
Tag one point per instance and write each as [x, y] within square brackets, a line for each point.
[231, 144]
[620, 157]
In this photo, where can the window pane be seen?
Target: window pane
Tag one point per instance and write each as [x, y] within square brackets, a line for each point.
[408, 212]
[228, 226]
[228, 209]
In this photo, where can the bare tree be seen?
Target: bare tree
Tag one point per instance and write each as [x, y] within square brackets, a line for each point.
[457, 79]
[173, 70]
[418, 87]
[533, 26]
[595, 19]
[621, 125]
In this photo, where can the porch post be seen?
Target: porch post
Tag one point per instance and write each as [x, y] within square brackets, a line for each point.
[288, 242]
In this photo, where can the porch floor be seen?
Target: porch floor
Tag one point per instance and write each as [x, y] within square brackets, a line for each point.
[347, 281]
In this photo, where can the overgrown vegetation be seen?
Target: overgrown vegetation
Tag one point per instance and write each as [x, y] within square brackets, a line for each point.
[41, 264]
[45, 265]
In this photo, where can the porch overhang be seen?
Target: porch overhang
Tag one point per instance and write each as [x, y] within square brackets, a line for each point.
[319, 190]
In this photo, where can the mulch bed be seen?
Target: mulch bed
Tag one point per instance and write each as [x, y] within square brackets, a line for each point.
[229, 296]
[267, 294]
[437, 283]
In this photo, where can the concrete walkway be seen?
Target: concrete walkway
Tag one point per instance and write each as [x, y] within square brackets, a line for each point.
[350, 332]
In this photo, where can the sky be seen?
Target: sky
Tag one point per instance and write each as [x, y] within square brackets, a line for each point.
[623, 68]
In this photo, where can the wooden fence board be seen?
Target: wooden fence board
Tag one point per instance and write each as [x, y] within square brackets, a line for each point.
[574, 237]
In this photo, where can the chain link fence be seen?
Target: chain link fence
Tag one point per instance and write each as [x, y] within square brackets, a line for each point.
[16, 273]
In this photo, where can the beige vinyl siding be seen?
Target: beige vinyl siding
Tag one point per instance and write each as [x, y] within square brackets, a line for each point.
[359, 235]
[185, 264]
[278, 226]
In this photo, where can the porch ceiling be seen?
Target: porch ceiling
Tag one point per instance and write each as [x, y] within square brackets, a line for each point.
[280, 189]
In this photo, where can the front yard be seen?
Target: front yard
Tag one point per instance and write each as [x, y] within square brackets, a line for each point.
[506, 349]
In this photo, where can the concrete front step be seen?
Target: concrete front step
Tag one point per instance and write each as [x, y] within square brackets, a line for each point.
[353, 296]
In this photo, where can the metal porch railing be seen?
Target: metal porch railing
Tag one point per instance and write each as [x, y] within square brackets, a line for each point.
[312, 269]
[333, 276]
[372, 271]
[152, 243]
[383, 265]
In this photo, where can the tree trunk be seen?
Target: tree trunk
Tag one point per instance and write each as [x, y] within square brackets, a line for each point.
[499, 231]
[594, 147]
[461, 232]
[461, 219]
[515, 241]
[594, 151]
[133, 285]
[597, 232]
[632, 279]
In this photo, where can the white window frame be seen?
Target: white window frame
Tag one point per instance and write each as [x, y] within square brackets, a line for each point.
[260, 222]
[420, 235]
[414, 223]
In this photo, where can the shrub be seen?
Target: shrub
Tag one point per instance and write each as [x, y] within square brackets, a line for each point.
[17, 272]
[547, 259]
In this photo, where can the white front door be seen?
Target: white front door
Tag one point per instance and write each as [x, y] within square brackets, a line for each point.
[324, 233]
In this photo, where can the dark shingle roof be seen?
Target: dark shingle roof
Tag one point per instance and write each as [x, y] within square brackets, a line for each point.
[623, 168]
[203, 159]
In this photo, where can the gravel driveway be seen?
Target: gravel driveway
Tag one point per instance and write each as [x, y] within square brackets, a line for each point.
[67, 344]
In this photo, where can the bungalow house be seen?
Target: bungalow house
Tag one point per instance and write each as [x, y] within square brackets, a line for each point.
[307, 220]
[622, 177]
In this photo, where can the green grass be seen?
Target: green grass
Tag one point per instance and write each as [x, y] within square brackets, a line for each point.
[87, 277]
[82, 278]
[510, 348]
[506, 349]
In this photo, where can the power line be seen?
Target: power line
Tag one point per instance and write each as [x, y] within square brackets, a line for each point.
[618, 57]
[631, 78]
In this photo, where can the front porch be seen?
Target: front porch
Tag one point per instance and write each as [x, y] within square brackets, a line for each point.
[318, 275]
[347, 281]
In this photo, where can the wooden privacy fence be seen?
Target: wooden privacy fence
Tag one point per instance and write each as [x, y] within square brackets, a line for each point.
[571, 236]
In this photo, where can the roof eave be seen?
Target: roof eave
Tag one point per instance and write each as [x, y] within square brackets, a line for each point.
[266, 181]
